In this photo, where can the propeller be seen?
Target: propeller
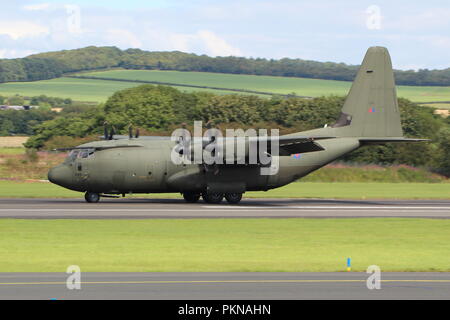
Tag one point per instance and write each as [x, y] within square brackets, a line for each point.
[214, 168]
[130, 132]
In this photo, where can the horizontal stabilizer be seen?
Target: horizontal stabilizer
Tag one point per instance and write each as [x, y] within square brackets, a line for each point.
[378, 140]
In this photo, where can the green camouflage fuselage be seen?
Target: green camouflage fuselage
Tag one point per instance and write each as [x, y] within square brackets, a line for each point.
[149, 169]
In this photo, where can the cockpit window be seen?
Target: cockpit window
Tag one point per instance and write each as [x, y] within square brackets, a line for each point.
[80, 154]
[83, 154]
[86, 153]
[73, 155]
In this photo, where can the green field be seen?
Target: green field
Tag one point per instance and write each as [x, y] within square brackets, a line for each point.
[344, 190]
[76, 89]
[282, 85]
[11, 151]
[224, 245]
[100, 90]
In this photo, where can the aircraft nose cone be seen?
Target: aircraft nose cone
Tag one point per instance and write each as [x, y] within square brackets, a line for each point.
[60, 175]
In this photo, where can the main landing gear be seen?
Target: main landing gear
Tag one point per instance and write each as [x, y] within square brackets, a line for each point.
[191, 197]
[233, 198]
[92, 197]
[213, 197]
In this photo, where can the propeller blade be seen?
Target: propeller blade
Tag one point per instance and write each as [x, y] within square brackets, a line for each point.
[111, 135]
[105, 130]
[130, 131]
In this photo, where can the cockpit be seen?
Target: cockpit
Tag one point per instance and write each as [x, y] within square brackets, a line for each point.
[80, 154]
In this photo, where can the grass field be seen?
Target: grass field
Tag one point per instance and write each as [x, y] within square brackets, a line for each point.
[224, 245]
[100, 90]
[11, 151]
[355, 190]
[76, 89]
[282, 85]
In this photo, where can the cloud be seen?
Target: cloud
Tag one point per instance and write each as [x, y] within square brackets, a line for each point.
[21, 29]
[440, 41]
[433, 18]
[36, 7]
[216, 45]
[123, 38]
[417, 33]
[6, 54]
[205, 41]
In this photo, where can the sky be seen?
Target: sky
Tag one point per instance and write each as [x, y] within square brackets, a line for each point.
[417, 33]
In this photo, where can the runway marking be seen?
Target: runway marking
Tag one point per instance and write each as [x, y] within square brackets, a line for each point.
[223, 282]
[333, 207]
[228, 208]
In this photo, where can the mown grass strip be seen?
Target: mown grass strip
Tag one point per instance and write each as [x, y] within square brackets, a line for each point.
[351, 190]
[224, 245]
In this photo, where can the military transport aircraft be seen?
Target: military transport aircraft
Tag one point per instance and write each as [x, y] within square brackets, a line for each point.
[133, 164]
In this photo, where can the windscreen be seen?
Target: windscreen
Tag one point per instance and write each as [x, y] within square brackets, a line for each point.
[80, 154]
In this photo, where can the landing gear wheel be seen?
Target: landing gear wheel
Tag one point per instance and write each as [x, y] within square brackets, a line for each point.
[233, 198]
[213, 197]
[92, 197]
[191, 197]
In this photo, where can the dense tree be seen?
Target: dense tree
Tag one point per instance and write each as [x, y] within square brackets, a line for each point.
[16, 100]
[54, 64]
[13, 122]
[442, 163]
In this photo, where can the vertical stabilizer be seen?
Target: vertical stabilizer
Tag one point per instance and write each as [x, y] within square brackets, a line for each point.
[371, 108]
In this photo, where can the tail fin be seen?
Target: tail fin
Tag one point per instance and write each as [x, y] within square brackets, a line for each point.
[371, 108]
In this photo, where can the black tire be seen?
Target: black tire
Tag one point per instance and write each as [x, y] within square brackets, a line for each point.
[92, 197]
[233, 198]
[191, 197]
[213, 198]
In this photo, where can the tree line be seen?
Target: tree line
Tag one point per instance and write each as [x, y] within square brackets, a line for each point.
[157, 110]
[55, 64]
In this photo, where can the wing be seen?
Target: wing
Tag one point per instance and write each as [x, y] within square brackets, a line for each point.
[288, 145]
[293, 145]
[99, 148]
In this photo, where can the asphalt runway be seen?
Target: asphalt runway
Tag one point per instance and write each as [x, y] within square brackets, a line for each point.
[249, 208]
[226, 286]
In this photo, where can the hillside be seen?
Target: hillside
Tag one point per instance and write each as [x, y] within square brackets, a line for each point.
[55, 64]
[98, 90]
